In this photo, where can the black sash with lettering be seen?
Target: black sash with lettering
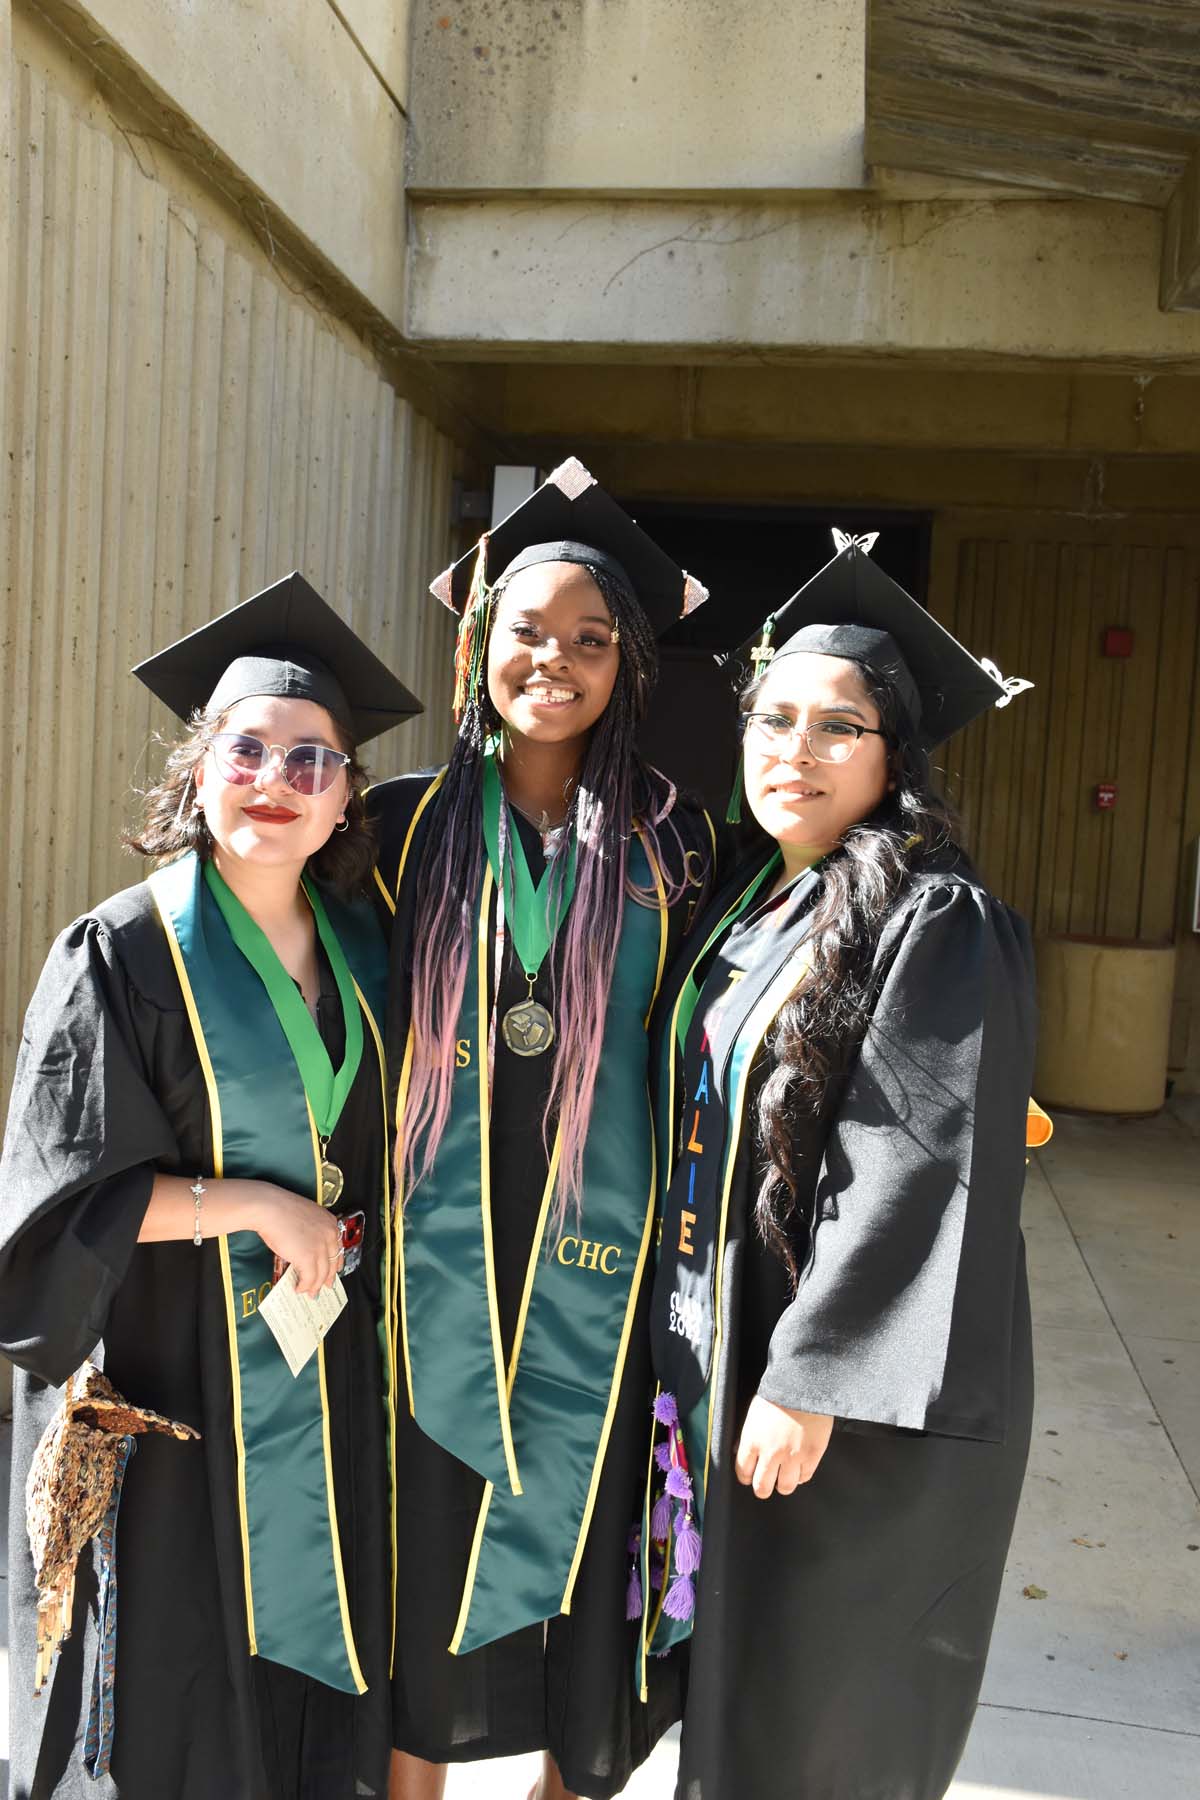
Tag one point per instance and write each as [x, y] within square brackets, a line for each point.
[710, 1068]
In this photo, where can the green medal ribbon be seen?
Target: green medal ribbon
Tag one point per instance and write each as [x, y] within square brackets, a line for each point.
[326, 1090]
[532, 914]
[263, 1128]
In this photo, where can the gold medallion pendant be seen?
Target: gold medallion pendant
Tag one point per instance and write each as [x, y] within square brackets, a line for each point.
[528, 1028]
[332, 1183]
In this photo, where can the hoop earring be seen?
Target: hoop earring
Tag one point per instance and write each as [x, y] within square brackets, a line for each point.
[342, 825]
[182, 809]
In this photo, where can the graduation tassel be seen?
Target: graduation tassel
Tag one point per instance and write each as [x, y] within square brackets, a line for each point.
[660, 1519]
[680, 1602]
[633, 1590]
[468, 652]
[733, 812]
[687, 1544]
[760, 656]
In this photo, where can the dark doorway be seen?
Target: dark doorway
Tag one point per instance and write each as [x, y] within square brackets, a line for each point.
[751, 559]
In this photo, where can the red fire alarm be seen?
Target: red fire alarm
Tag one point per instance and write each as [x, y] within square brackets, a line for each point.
[1106, 796]
[1118, 641]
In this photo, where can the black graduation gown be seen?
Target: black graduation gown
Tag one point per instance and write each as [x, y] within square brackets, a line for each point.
[841, 1631]
[568, 1686]
[108, 1090]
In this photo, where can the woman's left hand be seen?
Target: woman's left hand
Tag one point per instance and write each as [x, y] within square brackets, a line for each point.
[779, 1448]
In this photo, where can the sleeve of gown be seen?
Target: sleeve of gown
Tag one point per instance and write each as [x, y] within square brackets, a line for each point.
[904, 1313]
[84, 1136]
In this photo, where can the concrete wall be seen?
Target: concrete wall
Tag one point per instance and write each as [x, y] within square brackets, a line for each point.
[181, 425]
[637, 96]
[296, 106]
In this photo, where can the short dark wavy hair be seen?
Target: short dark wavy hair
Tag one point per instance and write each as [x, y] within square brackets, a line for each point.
[170, 824]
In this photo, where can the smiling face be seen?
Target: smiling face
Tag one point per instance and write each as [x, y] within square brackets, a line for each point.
[552, 657]
[265, 822]
[795, 798]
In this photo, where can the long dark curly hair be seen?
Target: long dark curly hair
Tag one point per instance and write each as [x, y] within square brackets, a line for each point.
[170, 822]
[819, 1029]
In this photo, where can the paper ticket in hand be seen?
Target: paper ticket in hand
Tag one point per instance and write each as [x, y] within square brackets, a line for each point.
[298, 1321]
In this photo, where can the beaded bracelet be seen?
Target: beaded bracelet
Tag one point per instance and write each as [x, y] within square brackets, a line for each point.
[198, 1191]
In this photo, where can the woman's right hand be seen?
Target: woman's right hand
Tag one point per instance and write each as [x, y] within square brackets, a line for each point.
[299, 1232]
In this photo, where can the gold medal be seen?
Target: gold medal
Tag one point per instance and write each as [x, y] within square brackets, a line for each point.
[528, 1028]
[332, 1179]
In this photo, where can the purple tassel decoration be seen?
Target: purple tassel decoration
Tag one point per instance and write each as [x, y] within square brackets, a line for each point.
[662, 1456]
[633, 1592]
[665, 1410]
[679, 1484]
[660, 1519]
[680, 1602]
[687, 1544]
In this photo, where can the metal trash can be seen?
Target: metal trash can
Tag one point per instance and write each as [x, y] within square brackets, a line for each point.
[1105, 1027]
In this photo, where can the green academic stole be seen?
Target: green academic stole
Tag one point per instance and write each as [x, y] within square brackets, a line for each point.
[661, 1631]
[297, 1610]
[537, 1431]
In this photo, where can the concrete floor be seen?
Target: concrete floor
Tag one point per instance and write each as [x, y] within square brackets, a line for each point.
[1092, 1693]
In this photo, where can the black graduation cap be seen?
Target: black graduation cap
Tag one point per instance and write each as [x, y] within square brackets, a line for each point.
[851, 608]
[285, 641]
[570, 518]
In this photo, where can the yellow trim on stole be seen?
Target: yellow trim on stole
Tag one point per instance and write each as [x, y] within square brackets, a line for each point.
[485, 1181]
[399, 1304]
[636, 1285]
[389, 1321]
[334, 1536]
[663, 921]
[472, 1569]
[426, 797]
[712, 833]
[335, 1541]
[399, 1309]
[214, 1108]
[759, 1023]
[381, 884]
[422, 803]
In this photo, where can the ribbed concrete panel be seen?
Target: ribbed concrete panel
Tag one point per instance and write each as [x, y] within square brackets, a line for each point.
[179, 431]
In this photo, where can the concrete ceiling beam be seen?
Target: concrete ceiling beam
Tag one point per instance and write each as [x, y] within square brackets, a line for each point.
[1060, 280]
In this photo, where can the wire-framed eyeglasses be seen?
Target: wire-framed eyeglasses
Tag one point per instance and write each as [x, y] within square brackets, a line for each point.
[307, 768]
[827, 740]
